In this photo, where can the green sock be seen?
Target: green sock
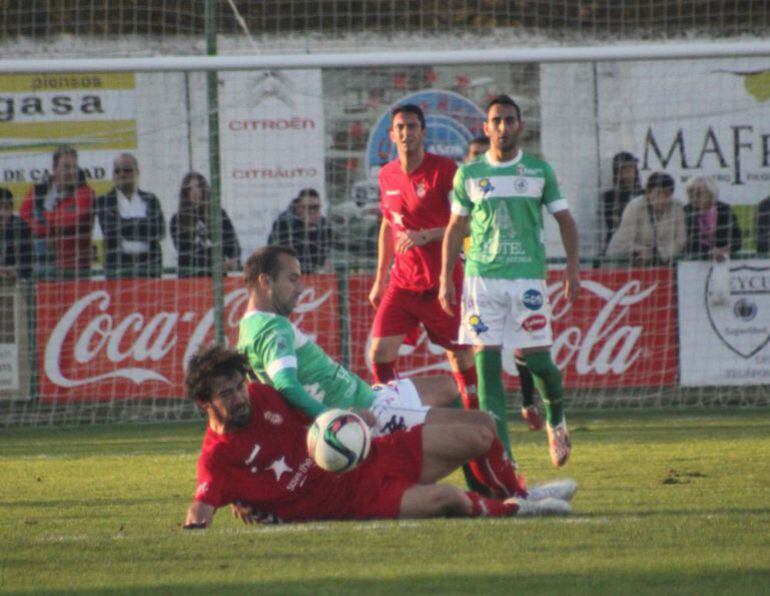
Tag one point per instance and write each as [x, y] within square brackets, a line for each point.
[526, 381]
[548, 383]
[489, 366]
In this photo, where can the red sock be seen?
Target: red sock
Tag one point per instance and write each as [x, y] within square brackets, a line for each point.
[384, 371]
[466, 383]
[486, 507]
[495, 471]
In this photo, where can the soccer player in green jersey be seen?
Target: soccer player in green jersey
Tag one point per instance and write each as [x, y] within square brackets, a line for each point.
[505, 301]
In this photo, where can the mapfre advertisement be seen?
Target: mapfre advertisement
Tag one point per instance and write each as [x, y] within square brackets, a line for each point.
[621, 332]
[130, 339]
[724, 332]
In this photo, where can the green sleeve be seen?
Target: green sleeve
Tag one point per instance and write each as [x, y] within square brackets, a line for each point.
[551, 190]
[287, 383]
[459, 192]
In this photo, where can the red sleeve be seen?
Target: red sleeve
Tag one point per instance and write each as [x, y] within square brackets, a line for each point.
[26, 213]
[381, 185]
[211, 480]
[64, 219]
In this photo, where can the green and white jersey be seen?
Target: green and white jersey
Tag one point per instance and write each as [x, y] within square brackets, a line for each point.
[505, 201]
[273, 343]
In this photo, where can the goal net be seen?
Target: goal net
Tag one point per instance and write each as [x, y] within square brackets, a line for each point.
[88, 336]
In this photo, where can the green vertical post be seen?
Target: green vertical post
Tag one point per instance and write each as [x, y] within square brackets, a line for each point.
[215, 205]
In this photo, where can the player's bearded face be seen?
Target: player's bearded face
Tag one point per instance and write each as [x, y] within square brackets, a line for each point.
[231, 405]
[503, 128]
[287, 287]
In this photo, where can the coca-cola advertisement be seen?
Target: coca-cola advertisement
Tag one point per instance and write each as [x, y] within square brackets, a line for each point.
[621, 332]
[105, 340]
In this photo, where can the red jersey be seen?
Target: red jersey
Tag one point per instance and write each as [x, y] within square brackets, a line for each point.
[266, 465]
[418, 201]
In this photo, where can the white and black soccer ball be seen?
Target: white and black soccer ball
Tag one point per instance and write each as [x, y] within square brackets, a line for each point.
[338, 440]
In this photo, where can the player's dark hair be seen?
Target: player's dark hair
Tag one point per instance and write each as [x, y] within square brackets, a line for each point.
[408, 108]
[63, 150]
[504, 100]
[265, 260]
[207, 363]
[6, 197]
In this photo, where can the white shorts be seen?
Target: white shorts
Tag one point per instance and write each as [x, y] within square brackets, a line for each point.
[397, 406]
[513, 313]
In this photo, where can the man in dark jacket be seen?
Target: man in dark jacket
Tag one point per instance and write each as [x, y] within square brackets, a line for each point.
[303, 228]
[132, 224]
[763, 226]
[15, 241]
[712, 228]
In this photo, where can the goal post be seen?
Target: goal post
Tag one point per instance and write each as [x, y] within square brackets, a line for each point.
[105, 347]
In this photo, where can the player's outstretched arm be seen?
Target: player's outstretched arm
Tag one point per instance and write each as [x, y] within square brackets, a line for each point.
[569, 237]
[450, 252]
[385, 251]
[199, 516]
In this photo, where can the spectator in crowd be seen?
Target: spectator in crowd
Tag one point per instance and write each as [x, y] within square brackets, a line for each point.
[763, 226]
[625, 186]
[132, 224]
[712, 228]
[191, 230]
[304, 228]
[652, 229]
[15, 241]
[60, 213]
[477, 146]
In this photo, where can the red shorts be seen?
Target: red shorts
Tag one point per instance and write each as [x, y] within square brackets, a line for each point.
[378, 486]
[401, 311]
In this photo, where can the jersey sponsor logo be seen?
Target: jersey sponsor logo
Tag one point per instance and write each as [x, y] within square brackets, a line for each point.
[485, 185]
[520, 184]
[534, 323]
[532, 299]
[477, 324]
[315, 391]
[273, 418]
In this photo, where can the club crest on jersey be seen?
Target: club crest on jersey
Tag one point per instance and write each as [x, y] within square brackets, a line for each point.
[532, 299]
[477, 324]
[420, 190]
[520, 184]
[485, 184]
[273, 418]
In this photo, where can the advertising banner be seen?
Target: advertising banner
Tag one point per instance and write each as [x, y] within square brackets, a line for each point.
[104, 340]
[621, 332]
[724, 325]
[94, 112]
[272, 137]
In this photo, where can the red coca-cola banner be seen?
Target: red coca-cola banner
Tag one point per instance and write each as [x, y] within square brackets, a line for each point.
[105, 340]
[621, 332]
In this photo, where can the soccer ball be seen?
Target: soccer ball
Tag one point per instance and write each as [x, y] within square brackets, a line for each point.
[338, 440]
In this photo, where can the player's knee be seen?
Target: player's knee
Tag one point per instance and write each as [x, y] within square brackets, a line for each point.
[476, 439]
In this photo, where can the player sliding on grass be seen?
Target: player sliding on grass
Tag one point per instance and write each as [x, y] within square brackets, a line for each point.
[285, 358]
[254, 455]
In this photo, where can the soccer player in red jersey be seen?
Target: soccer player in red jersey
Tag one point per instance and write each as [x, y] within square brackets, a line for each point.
[414, 200]
[254, 455]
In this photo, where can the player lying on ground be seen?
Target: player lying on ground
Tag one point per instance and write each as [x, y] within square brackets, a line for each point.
[254, 454]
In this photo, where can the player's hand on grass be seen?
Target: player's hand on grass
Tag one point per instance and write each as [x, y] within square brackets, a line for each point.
[447, 296]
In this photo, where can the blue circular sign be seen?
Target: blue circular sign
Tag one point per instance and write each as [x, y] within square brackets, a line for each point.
[451, 121]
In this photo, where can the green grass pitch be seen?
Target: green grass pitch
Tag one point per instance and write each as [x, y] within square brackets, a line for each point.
[670, 502]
